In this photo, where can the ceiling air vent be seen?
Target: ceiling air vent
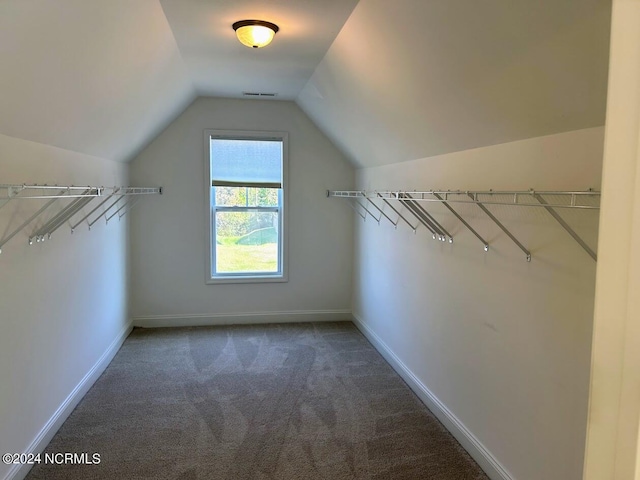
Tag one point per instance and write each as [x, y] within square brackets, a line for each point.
[259, 94]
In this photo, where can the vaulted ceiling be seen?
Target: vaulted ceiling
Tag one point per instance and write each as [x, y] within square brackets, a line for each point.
[101, 77]
[431, 77]
[387, 81]
[220, 66]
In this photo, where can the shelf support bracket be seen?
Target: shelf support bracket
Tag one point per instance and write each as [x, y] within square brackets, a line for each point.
[65, 214]
[356, 210]
[368, 211]
[450, 208]
[395, 224]
[73, 227]
[123, 206]
[437, 226]
[502, 227]
[422, 216]
[398, 213]
[28, 221]
[411, 208]
[105, 211]
[565, 225]
[131, 205]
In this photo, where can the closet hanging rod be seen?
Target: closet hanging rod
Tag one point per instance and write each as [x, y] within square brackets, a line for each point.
[78, 196]
[18, 192]
[472, 197]
[410, 200]
[23, 186]
[478, 192]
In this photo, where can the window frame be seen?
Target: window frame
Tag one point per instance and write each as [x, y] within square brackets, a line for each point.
[210, 209]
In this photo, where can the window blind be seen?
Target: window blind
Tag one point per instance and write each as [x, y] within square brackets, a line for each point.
[246, 163]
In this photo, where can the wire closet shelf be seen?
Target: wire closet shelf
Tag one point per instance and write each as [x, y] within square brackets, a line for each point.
[114, 201]
[412, 204]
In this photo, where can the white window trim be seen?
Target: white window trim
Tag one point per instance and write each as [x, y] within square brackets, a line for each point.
[283, 276]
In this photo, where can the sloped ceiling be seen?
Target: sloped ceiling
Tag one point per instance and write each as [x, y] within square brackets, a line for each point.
[104, 77]
[399, 80]
[414, 78]
[97, 77]
[220, 66]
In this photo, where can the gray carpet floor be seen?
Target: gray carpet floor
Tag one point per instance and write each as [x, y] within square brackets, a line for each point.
[289, 401]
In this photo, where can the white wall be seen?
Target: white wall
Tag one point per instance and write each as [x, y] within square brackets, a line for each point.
[502, 343]
[168, 236]
[62, 303]
[613, 445]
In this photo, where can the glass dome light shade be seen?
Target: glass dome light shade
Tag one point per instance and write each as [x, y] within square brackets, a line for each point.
[255, 33]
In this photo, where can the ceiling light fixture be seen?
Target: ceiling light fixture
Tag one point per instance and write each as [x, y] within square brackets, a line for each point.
[255, 33]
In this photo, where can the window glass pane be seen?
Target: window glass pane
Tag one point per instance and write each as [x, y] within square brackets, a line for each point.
[246, 242]
[248, 161]
[245, 197]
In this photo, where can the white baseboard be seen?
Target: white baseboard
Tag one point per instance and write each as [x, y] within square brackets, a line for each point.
[18, 472]
[206, 319]
[471, 444]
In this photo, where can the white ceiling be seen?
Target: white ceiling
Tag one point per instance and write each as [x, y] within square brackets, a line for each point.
[97, 77]
[220, 66]
[387, 81]
[431, 77]
[104, 77]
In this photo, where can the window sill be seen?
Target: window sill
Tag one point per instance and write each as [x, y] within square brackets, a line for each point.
[247, 279]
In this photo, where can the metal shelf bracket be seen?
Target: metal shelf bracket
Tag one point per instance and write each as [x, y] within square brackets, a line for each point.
[421, 213]
[352, 205]
[368, 211]
[80, 196]
[398, 213]
[500, 225]
[412, 201]
[564, 224]
[463, 221]
[395, 224]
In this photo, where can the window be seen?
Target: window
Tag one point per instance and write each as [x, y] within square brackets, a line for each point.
[246, 180]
